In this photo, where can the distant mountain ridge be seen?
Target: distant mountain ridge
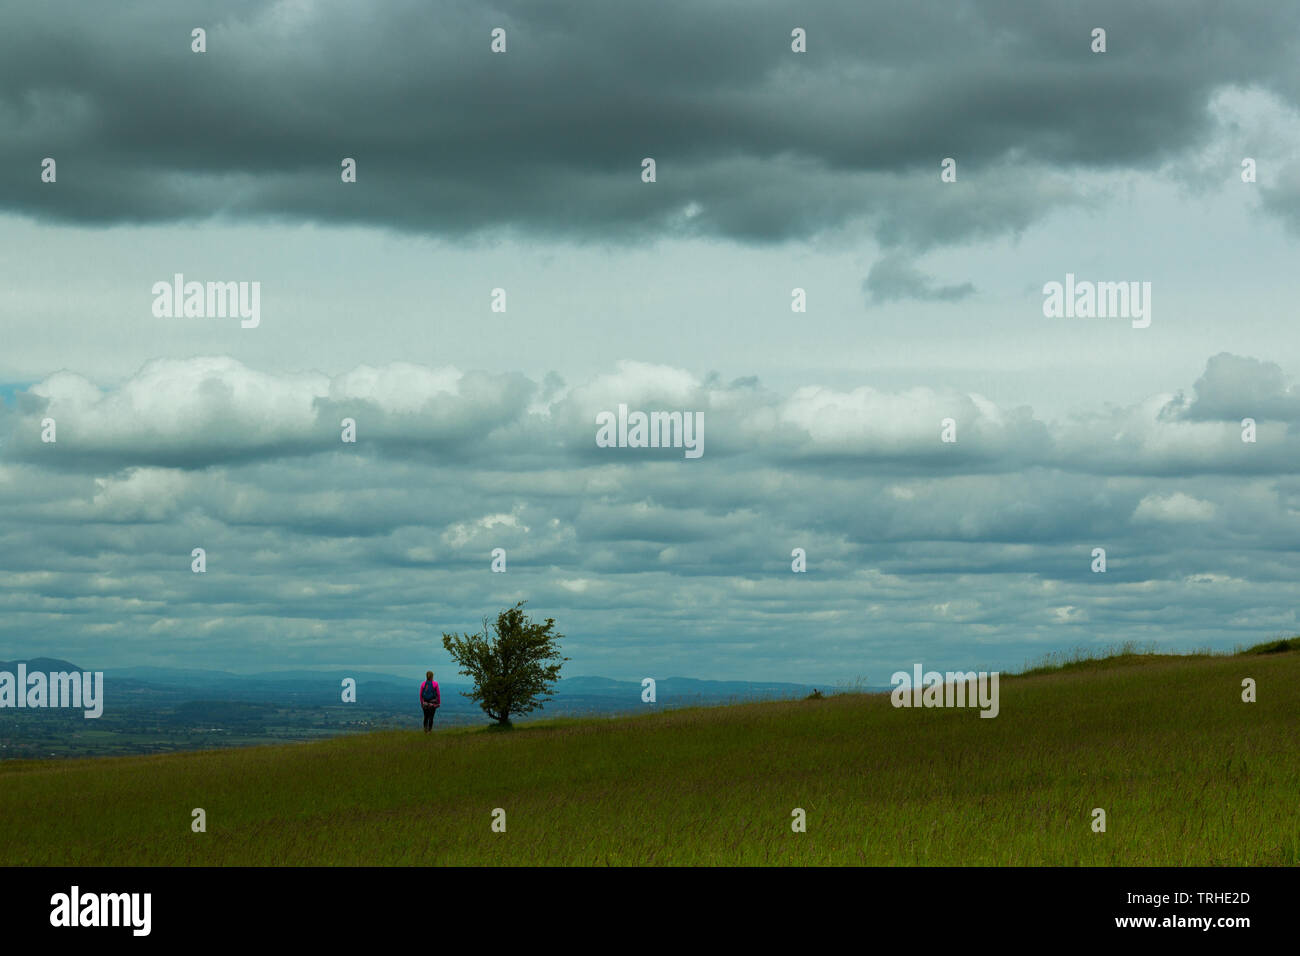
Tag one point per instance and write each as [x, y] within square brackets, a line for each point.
[682, 687]
[168, 674]
[41, 664]
[584, 685]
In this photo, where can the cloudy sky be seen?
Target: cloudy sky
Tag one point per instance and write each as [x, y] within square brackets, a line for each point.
[775, 170]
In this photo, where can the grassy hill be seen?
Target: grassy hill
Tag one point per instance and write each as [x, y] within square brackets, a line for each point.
[1187, 774]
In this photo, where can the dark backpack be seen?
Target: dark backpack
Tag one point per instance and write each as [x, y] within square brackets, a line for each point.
[430, 692]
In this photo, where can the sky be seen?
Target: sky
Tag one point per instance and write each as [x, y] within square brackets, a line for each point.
[819, 170]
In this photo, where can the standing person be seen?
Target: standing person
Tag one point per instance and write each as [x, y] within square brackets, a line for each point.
[430, 700]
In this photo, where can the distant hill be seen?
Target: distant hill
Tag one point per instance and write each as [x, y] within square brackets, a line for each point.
[42, 664]
[169, 675]
[338, 675]
[180, 675]
[671, 687]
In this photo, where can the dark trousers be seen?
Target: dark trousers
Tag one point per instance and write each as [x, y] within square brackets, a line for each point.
[428, 717]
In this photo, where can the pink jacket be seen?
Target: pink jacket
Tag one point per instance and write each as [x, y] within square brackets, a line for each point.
[437, 694]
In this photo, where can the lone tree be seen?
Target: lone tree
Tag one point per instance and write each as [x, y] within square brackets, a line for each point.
[510, 672]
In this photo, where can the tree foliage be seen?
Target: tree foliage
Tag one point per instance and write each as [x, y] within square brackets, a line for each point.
[514, 669]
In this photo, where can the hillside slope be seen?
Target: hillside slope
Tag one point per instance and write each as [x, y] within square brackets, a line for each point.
[1186, 772]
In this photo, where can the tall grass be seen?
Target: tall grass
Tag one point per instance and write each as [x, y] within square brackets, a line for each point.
[1186, 772]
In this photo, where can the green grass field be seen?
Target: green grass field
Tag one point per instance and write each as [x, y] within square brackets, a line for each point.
[1186, 772]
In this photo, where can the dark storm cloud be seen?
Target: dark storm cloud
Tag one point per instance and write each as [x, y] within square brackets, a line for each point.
[753, 142]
